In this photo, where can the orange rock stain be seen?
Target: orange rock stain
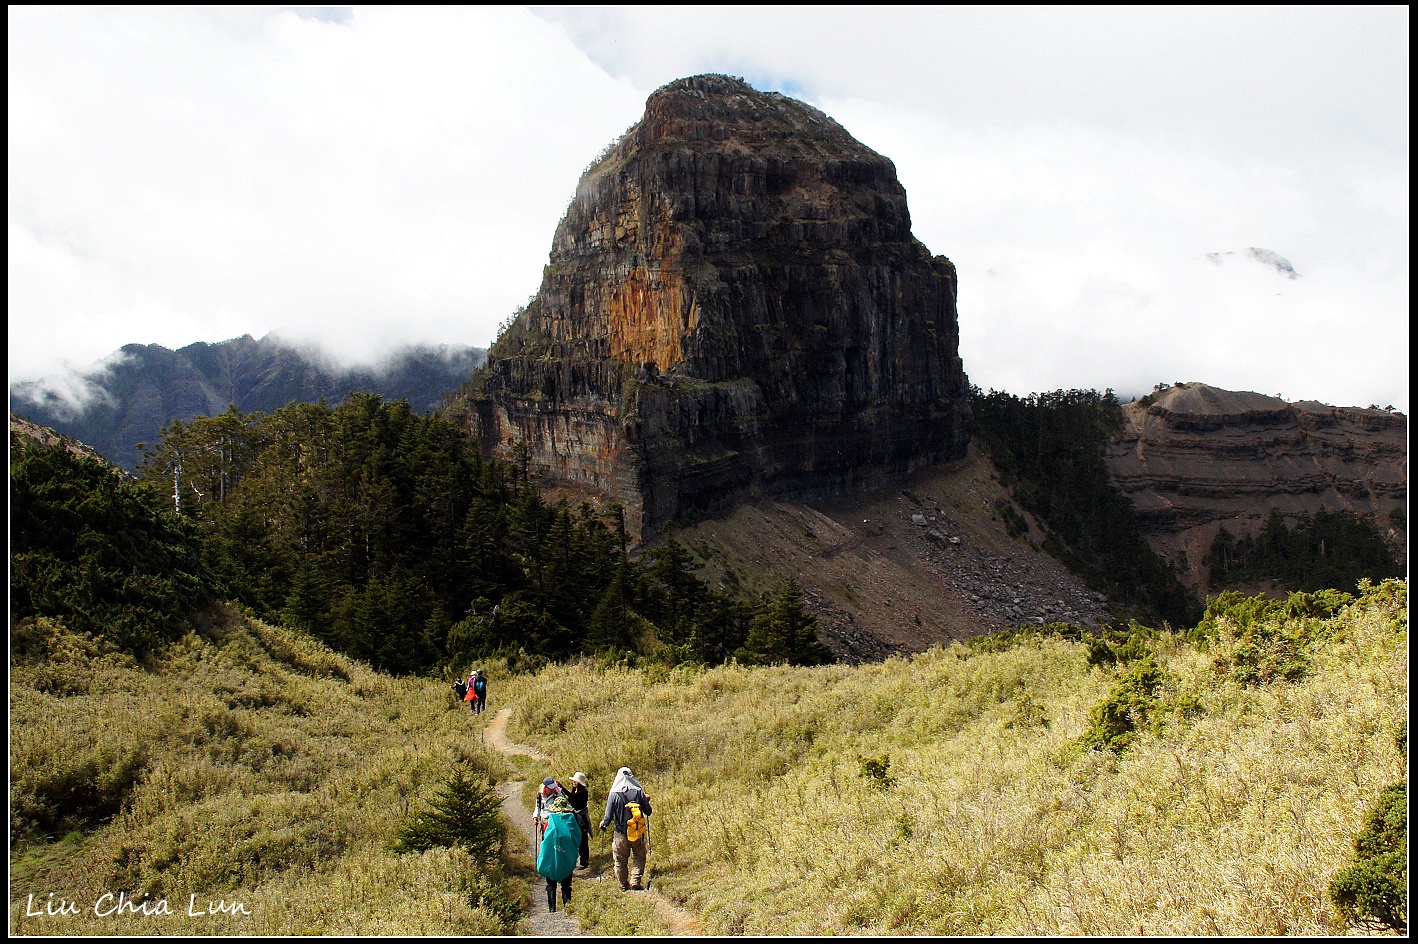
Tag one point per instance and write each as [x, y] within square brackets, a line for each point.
[649, 318]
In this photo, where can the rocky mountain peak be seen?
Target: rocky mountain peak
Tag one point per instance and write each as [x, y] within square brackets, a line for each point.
[721, 108]
[734, 305]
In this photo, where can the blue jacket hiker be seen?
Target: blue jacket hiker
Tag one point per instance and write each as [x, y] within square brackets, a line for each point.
[561, 842]
[628, 808]
[471, 692]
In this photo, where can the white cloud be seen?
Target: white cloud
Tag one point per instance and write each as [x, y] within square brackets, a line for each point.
[183, 175]
[394, 176]
[1080, 258]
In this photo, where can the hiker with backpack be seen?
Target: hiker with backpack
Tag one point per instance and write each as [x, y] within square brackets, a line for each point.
[580, 796]
[479, 683]
[460, 690]
[470, 692]
[556, 857]
[628, 808]
[542, 815]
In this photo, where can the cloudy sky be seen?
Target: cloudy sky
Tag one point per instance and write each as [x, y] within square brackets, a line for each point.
[363, 178]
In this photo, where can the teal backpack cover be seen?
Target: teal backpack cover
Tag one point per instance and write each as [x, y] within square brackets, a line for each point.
[556, 859]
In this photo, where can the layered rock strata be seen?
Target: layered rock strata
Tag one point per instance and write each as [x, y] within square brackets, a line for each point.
[734, 307]
[1193, 458]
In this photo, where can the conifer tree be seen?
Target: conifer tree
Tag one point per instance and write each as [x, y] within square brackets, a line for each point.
[783, 633]
[464, 813]
[610, 626]
[102, 552]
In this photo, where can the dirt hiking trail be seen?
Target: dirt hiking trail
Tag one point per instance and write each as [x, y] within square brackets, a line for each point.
[676, 920]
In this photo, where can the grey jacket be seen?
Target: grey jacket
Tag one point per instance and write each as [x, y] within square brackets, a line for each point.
[616, 811]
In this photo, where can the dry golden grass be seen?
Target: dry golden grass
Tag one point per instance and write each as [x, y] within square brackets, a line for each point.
[252, 766]
[1227, 821]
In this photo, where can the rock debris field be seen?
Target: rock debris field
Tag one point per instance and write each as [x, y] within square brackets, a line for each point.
[898, 570]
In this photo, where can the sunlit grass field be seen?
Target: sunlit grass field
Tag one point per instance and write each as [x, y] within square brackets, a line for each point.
[247, 766]
[949, 793]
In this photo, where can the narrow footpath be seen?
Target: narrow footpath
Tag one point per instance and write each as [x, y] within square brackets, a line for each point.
[544, 923]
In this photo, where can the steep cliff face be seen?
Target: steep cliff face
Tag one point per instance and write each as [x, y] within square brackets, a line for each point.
[1195, 458]
[734, 306]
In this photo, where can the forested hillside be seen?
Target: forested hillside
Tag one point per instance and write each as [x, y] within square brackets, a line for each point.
[96, 549]
[1049, 449]
[380, 532]
[1326, 549]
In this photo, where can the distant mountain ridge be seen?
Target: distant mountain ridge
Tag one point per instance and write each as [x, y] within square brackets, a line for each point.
[145, 387]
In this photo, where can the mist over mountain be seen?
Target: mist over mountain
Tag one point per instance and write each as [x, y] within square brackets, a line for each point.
[1266, 257]
[142, 388]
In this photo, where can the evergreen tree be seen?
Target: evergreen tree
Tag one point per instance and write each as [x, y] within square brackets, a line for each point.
[1049, 449]
[1326, 550]
[100, 551]
[373, 528]
[464, 813]
[610, 622]
[783, 633]
[1373, 892]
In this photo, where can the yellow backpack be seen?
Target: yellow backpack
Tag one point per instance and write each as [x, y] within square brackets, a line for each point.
[635, 826]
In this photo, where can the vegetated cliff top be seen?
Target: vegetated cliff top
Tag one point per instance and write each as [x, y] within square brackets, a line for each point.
[1200, 398]
[39, 435]
[737, 117]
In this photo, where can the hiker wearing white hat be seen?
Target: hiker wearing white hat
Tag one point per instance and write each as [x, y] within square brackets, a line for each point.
[549, 791]
[580, 796]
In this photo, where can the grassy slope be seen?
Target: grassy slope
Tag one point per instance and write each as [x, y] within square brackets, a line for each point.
[1231, 820]
[254, 766]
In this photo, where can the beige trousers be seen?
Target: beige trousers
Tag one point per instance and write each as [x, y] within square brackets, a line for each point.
[622, 849]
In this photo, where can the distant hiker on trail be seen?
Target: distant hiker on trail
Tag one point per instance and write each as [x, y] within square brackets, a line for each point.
[628, 808]
[580, 797]
[556, 857]
[471, 692]
[479, 684]
[460, 689]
